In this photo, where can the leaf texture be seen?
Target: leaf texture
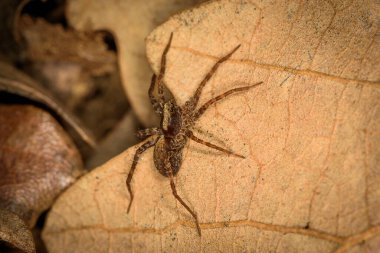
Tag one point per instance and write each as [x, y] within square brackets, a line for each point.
[310, 134]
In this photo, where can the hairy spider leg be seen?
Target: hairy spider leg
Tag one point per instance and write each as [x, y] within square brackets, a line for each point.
[193, 101]
[144, 133]
[156, 81]
[155, 101]
[204, 107]
[210, 145]
[163, 67]
[174, 191]
[139, 151]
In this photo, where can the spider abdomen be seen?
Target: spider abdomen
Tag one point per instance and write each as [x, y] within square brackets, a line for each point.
[166, 158]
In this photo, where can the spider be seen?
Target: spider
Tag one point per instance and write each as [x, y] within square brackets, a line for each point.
[171, 137]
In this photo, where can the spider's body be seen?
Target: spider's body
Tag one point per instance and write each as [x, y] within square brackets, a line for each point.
[170, 138]
[169, 146]
[164, 154]
[171, 123]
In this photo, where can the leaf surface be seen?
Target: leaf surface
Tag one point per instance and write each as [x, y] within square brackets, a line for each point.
[310, 134]
[38, 161]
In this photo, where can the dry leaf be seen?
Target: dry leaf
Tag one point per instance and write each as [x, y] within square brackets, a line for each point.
[122, 137]
[15, 232]
[52, 43]
[130, 22]
[78, 69]
[37, 161]
[10, 44]
[15, 82]
[310, 134]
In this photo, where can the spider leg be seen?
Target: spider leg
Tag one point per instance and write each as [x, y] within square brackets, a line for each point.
[158, 101]
[147, 132]
[139, 151]
[155, 101]
[174, 191]
[195, 98]
[210, 145]
[204, 107]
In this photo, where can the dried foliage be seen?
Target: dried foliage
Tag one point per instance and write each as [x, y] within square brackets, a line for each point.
[37, 162]
[15, 232]
[310, 134]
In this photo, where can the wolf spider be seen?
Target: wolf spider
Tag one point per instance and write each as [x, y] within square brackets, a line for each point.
[174, 130]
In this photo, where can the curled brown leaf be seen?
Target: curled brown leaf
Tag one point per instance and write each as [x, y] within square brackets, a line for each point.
[14, 82]
[37, 160]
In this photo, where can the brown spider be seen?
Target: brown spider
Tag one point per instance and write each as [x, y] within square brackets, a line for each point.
[176, 122]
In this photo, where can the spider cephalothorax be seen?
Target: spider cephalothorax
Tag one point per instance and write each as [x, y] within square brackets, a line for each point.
[175, 128]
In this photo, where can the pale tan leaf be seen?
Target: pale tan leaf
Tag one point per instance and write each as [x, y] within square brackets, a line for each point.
[310, 133]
